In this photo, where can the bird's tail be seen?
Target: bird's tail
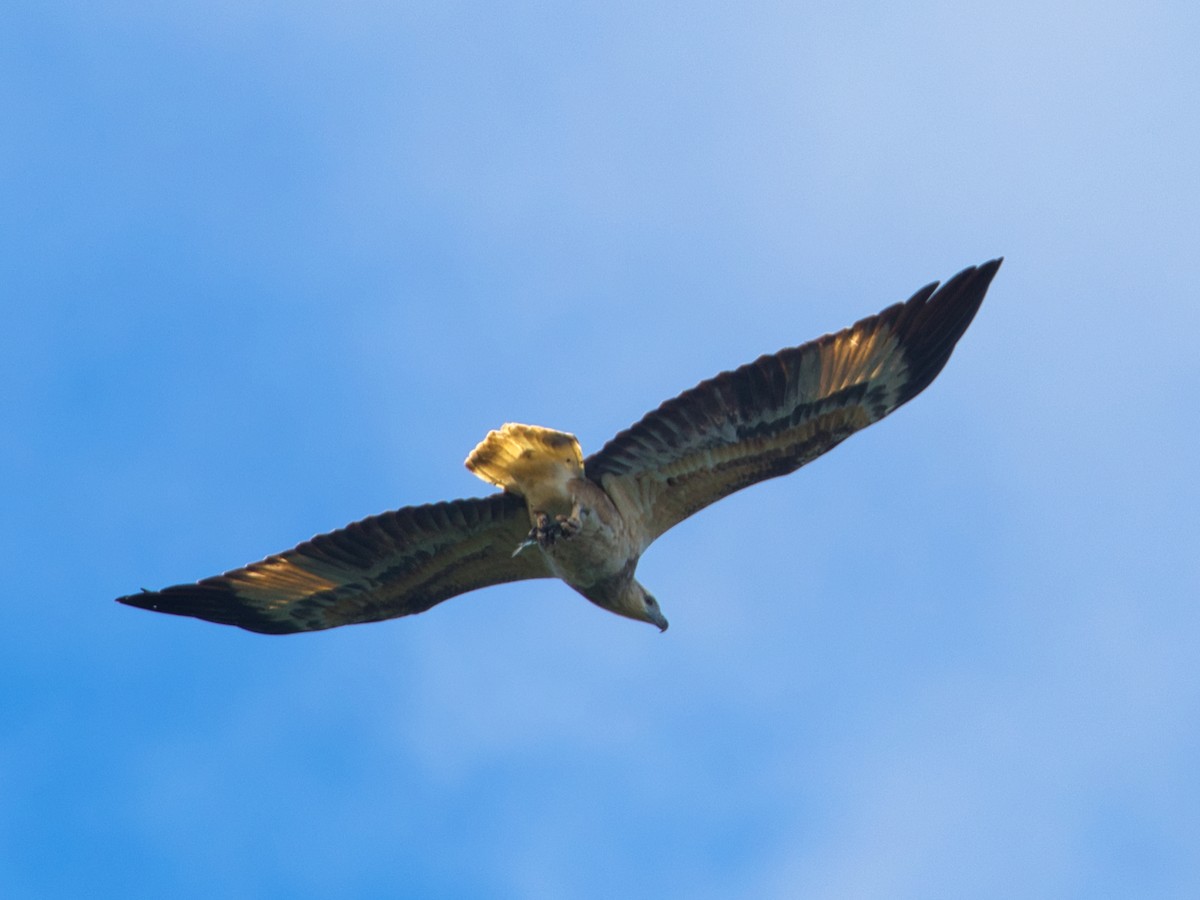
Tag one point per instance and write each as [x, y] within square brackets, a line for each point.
[526, 458]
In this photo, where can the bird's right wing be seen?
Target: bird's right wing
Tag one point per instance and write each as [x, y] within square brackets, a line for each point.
[773, 415]
[394, 564]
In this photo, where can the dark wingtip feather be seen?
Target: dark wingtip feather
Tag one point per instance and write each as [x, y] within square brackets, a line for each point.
[930, 324]
[213, 602]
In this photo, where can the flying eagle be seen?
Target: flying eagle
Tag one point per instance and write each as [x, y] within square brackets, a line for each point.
[588, 521]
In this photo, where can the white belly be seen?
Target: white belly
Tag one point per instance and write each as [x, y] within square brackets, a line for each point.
[600, 549]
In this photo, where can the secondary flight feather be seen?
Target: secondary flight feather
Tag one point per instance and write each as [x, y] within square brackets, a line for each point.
[588, 521]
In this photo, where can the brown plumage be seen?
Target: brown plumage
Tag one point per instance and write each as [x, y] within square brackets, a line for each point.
[587, 521]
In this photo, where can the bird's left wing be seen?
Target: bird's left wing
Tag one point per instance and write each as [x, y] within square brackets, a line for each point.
[774, 415]
[390, 565]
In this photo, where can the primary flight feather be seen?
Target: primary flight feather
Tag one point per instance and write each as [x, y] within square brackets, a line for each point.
[588, 521]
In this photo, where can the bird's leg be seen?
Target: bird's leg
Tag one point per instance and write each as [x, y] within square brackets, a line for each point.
[568, 526]
[545, 532]
[542, 534]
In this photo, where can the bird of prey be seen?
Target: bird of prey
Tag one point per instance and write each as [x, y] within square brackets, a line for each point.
[589, 520]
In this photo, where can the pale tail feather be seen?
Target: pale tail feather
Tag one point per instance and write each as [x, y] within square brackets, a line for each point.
[521, 458]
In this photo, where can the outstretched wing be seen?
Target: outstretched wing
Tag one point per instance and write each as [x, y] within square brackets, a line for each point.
[394, 564]
[772, 416]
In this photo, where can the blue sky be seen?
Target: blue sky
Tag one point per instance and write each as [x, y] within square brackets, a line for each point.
[271, 267]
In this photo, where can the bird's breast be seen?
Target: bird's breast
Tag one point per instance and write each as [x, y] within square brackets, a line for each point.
[600, 549]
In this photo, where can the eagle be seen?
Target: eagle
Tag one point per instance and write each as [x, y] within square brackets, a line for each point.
[588, 520]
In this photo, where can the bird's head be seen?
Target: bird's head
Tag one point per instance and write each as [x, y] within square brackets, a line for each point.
[653, 612]
[626, 597]
[640, 604]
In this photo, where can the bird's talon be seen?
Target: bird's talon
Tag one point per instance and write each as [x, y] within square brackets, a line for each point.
[546, 531]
